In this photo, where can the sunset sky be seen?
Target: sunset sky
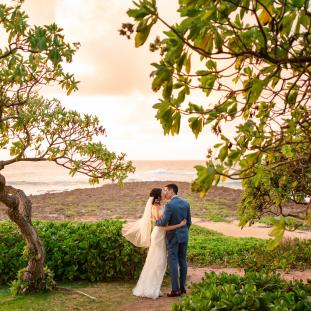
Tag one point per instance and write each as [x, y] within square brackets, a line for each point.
[114, 77]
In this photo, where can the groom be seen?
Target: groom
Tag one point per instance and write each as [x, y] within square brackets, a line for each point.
[175, 211]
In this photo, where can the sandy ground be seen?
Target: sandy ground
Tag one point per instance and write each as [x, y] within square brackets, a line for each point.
[257, 230]
[125, 201]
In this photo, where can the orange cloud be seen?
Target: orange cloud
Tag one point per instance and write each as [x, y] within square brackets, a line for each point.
[106, 62]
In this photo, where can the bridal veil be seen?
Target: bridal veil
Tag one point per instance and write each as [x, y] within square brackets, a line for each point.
[138, 233]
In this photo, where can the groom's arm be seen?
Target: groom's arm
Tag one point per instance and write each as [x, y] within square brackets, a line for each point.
[188, 216]
[163, 221]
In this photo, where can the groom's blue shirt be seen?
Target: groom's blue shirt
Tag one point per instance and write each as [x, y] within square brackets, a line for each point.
[175, 211]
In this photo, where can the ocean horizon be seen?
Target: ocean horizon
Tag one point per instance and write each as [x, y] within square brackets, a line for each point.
[46, 177]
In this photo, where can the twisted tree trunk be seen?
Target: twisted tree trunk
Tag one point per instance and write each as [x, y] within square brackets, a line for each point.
[19, 211]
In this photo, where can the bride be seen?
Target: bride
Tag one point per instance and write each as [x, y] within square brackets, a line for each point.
[141, 234]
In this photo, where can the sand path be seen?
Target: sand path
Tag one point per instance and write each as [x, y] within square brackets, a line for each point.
[257, 230]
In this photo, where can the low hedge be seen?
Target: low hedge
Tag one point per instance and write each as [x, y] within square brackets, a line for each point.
[97, 251]
[74, 251]
[208, 248]
[255, 291]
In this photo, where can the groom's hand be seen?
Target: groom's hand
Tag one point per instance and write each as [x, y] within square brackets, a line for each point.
[163, 221]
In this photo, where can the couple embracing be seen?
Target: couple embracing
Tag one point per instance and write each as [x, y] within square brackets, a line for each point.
[167, 241]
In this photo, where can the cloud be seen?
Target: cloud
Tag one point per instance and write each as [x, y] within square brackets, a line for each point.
[106, 62]
[132, 128]
[111, 64]
[115, 83]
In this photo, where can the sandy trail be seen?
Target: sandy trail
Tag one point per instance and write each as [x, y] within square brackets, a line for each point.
[257, 230]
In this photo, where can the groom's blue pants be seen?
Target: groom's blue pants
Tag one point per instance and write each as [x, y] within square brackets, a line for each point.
[177, 254]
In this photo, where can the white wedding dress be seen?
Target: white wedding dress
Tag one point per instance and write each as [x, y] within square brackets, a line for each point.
[138, 233]
[151, 277]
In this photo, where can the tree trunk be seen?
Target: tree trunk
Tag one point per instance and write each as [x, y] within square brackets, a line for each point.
[19, 211]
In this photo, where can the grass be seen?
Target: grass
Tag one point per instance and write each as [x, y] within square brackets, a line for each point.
[109, 296]
[210, 248]
[213, 210]
[217, 218]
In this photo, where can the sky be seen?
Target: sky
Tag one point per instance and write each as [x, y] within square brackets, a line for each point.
[114, 75]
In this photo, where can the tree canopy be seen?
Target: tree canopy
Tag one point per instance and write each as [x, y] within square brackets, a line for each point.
[252, 61]
[34, 128]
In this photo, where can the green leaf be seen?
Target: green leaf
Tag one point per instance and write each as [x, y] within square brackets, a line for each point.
[252, 158]
[292, 97]
[234, 154]
[175, 127]
[55, 56]
[196, 125]
[205, 178]
[233, 109]
[162, 74]
[278, 233]
[207, 42]
[142, 35]
[287, 151]
[223, 153]
[256, 89]
[167, 90]
[287, 23]
[298, 3]
[207, 83]
[188, 64]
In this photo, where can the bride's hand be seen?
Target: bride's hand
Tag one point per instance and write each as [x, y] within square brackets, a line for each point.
[183, 222]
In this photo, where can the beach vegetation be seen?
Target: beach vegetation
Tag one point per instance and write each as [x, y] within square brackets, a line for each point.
[242, 69]
[97, 251]
[254, 291]
[90, 251]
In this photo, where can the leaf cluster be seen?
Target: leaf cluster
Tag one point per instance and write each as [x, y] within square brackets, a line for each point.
[44, 131]
[254, 291]
[251, 60]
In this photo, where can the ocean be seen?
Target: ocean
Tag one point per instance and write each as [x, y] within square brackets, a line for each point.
[43, 177]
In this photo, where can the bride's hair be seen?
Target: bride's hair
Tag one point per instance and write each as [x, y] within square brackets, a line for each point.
[156, 194]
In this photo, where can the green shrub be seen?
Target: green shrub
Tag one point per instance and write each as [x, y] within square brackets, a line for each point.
[22, 286]
[74, 251]
[211, 248]
[254, 291]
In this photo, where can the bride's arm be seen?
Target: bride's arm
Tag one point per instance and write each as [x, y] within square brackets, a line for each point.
[173, 227]
[155, 212]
